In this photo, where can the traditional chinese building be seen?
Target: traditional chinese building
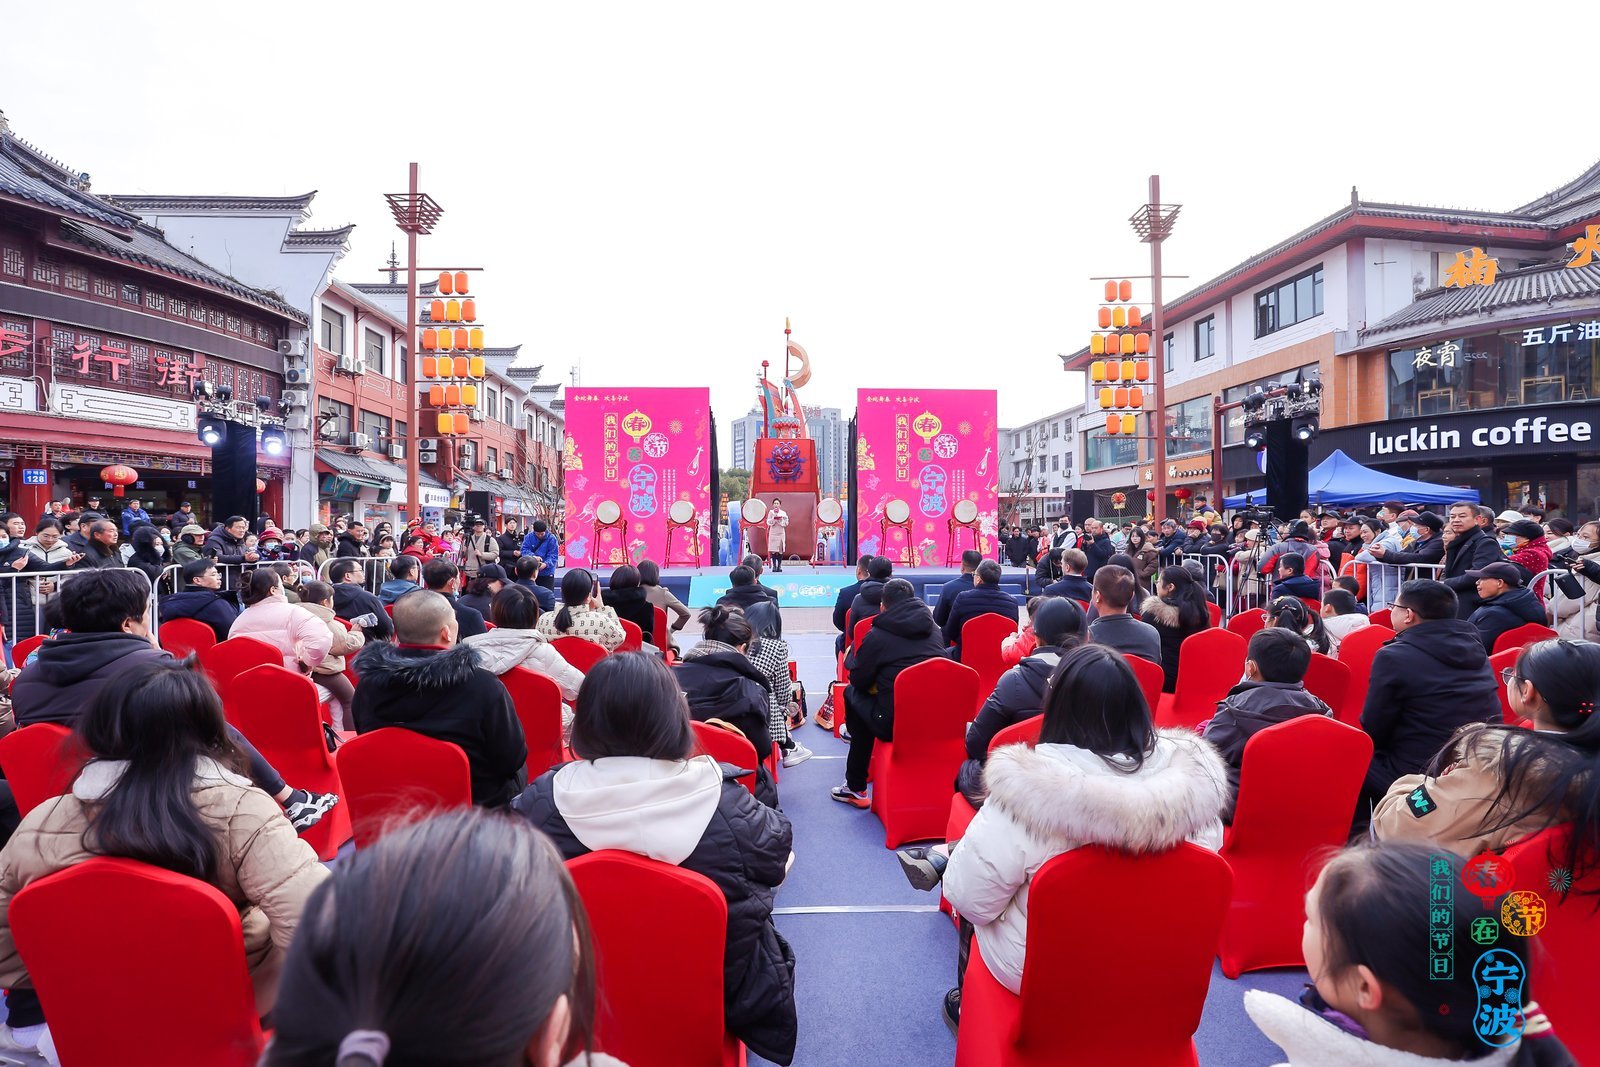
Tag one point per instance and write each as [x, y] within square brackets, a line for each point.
[1373, 300]
[106, 329]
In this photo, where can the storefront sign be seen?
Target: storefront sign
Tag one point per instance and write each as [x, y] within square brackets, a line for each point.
[131, 409]
[1584, 248]
[434, 498]
[1544, 430]
[1567, 331]
[1471, 267]
[18, 394]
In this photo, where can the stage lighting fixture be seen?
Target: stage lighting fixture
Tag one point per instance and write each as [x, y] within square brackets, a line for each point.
[224, 393]
[1315, 385]
[204, 389]
[274, 442]
[1256, 399]
[263, 403]
[1256, 438]
[1304, 429]
[1295, 390]
[212, 431]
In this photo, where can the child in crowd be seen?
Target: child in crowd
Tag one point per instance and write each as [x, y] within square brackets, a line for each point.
[1022, 643]
[1341, 617]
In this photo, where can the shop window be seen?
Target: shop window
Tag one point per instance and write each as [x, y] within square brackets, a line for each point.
[1550, 364]
[336, 420]
[400, 437]
[1205, 338]
[1102, 451]
[1169, 353]
[377, 427]
[494, 461]
[215, 318]
[1289, 302]
[510, 412]
[232, 324]
[1586, 505]
[372, 349]
[332, 331]
[1189, 427]
[197, 312]
[13, 263]
[132, 294]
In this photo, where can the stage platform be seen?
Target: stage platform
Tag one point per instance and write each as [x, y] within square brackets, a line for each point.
[800, 585]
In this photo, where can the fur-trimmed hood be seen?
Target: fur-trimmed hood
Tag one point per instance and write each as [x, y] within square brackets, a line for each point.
[1310, 1040]
[1065, 793]
[417, 668]
[1158, 612]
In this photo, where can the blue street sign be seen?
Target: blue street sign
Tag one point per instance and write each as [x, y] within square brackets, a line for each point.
[35, 476]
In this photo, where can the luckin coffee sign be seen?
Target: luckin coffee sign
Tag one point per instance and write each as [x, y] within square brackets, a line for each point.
[1470, 434]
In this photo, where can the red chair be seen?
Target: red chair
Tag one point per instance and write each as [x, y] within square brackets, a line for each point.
[78, 928]
[1247, 623]
[1209, 664]
[1025, 732]
[633, 639]
[933, 703]
[663, 1002]
[658, 632]
[1527, 634]
[537, 699]
[1357, 652]
[1498, 663]
[226, 660]
[981, 638]
[1094, 980]
[40, 762]
[394, 776]
[580, 652]
[277, 710]
[24, 648]
[1215, 611]
[1329, 679]
[860, 631]
[1312, 604]
[183, 637]
[1566, 981]
[1150, 678]
[1297, 792]
[726, 746]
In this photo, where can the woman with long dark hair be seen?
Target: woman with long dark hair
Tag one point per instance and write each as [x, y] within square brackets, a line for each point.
[1101, 774]
[637, 785]
[1290, 613]
[1177, 611]
[582, 614]
[1506, 782]
[268, 616]
[150, 553]
[770, 654]
[460, 939]
[1145, 555]
[516, 642]
[722, 683]
[165, 786]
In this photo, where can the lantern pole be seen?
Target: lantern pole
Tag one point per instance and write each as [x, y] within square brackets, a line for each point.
[413, 357]
[1153, 223]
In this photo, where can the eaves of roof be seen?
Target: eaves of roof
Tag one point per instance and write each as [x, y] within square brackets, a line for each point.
[320, 240]
[1538, 290]
[29, 176]
[297, 205]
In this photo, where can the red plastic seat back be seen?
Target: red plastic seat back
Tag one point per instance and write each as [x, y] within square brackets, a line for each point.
[860, 630]
[1094, 980]
[1498, 663]
[1210, 663]
[933, 702]
[1025, 732]
[24, 648]
[226, 660]
[1329, 679]
[1215, 611]
[183, 637]
[633, 637]
[658, 631]
[1357, 652]
[1527, 634]
[40, 762]
[1297, 784]
[537, 699]
[578, 651]
[394, 776]
[78, 928]
[981, 638]
[1566, 982]
[659, 967]
[1247, 623]
[725, 746]
[1151, 678]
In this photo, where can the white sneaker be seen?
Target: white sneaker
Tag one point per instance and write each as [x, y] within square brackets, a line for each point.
[47, 1048]
[796, 755]
[22, 1038]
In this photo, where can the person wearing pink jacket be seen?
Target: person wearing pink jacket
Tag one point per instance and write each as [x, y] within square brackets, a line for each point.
[304, 639]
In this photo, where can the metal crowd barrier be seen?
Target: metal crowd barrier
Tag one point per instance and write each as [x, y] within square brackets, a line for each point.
[374, 572]
[26, 598]
[233, 574]
[1402, 572]
[1554, 599]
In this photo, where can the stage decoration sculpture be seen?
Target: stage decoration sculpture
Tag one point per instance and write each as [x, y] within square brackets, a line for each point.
[785, 466]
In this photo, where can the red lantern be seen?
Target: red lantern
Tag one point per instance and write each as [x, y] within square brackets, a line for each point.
[119, 475]
[1150, 495]
[261, 487]
[1181, 493]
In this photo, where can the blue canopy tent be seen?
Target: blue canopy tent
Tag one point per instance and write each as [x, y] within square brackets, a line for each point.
[1340, 480]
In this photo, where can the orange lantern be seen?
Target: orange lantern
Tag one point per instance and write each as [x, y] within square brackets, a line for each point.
[476, 337]
[447, 282]
[447, 424]
[462, 365]
[1107, 396]
[461, 282]
[1111, 291]
[1124, 290]
[461, 423]
[1136, 397]
[469, 310]
[1141, 370]
[1097, 344]
[1113, 423]
[1105, 318]
[436, 396]
[430, 365]
[1141, 344]
[1128, 423]
[452, 395]
[436, 311]
[120, 475]
[462, 338]
[429, 342]
[1135, 316]
[1122, 398]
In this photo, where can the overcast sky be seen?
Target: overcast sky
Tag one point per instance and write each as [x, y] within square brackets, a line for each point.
[925, 188]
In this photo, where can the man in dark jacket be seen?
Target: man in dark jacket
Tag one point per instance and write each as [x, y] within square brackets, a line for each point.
[318, 549]
[847, 595]
[101, 549]
[430, 684]
[902, 636]
[1112, 626]
[1472, 548]
[1019, 694]
[1291, 578]
[1506, 602]
[201, 599]
[510, 542]
[352, 543]
[1273, 691]
[1073, 584]
[225, 544]
[759, 566]
[984, 598]
[441, 576]
[743, 589]
[720, 682]
[1428, 547]
[104, 613]
[184, 516]
[1171, 544]
[956, 586]
[1017, 548]
[869, 601]
[77, 528]
[1432, 679]
[352, 601]
[525, 570]
[1096, 546]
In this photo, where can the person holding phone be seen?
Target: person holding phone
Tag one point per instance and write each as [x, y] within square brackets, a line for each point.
[582, 613]
[777, 534]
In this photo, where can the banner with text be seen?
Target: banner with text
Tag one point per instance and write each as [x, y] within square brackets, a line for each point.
[927, 474]
[638, 477]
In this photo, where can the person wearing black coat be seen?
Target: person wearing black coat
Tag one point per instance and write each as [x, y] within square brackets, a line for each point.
[984, 598]
[846, 597]
[1048, 569]
[902, 636]
[1096, 546]
[351, 600]
[744, 590]
[148, 552]
[510, 542]
[200, 599]
[1072, 586]
[629, 600]
[433, 686]
[1473, 548]
[225, 543]
[720, 682]
[1506, 603]
[637, 787]
[1017, 548]
[869, 601]
[1431, 679]
[956, 586]
[352, 543]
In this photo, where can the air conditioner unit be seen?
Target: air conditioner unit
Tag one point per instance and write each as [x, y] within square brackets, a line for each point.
[428, 444]
[296, 398]
[298, 421]
[292, 349]
[296, 376]
[397, 451]
[465, 463]
[427, 455]
[362, 441]
[477, 416]
[347, 364]
[507, 473]
[360, 365]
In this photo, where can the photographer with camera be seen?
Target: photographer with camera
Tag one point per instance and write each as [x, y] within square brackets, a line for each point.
[1580, 590]
[1096, 546]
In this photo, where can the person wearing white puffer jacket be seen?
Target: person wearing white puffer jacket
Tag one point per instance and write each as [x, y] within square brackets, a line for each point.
[514, 642]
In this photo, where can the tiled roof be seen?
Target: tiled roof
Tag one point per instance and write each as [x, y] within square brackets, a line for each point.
[319, 238]
[345, 463]
[28, 174]
[1529, 288]
[146, 245]
[298, 204]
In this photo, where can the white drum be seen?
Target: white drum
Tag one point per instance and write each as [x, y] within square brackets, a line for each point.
[966, 511]
[681, 511]
[754, 511]
[829, 510]
[608, 512]
[897, 511]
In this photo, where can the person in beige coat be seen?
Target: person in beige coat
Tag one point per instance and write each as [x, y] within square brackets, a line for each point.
[317, 598]
[161, 725]
[777, 534]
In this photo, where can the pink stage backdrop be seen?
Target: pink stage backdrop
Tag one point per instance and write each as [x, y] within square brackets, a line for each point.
[641, 450]
[930, 450]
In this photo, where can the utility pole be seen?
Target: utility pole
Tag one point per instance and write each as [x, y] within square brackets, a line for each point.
[415, 213]
[1153, 223]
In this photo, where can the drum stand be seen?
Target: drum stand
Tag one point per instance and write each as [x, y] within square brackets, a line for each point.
[693, 529]
[951, 553]
[909, 559]
[822, 548]
[620, 525]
